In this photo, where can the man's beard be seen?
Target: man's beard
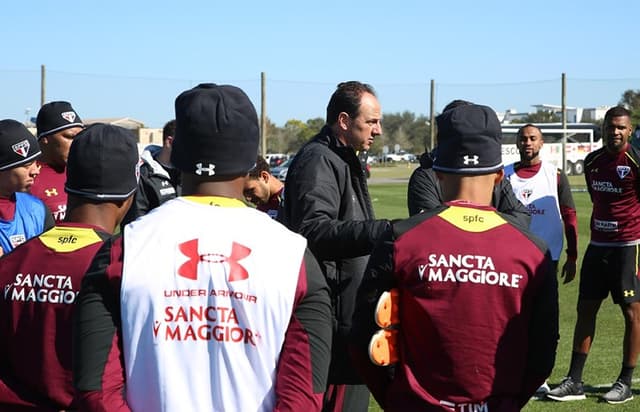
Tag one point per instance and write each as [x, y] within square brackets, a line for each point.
[530, 157]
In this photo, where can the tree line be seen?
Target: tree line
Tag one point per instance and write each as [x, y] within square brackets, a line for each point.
[404, 130]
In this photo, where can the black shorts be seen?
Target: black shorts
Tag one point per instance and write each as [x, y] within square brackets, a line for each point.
[610, 269]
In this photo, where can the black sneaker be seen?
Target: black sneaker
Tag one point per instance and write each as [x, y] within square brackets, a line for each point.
[620, 392]
[568, 390]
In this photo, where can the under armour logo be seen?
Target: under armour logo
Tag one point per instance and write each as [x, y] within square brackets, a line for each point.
[628, 293]
[189, 269]
[21, 148]
[209, 169]
[51, 192]
[471, 160]
[623, 171]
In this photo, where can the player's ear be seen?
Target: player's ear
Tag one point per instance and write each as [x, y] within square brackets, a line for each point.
[499, 176]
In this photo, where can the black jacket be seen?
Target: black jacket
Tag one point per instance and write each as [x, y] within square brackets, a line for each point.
[424, 193]
[156, 186]
[327, 201]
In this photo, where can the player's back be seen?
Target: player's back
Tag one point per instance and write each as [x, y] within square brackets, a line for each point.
[468, 280]
[41, 280]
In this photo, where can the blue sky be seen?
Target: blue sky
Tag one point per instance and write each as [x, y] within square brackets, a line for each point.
[132, 58]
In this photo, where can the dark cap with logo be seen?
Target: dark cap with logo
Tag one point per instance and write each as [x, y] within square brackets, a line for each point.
[17, 145]
[55, 117]
[469, 141]
[103, 163]
[217, 131]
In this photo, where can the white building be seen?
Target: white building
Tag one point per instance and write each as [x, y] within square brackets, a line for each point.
[574, 114]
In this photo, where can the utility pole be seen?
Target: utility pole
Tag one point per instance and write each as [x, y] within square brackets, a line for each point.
[564, 123]
[42, 85]
[263, 114]
[432, 116]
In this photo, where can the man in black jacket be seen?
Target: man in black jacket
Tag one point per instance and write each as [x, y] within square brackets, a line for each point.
[327, 201]
[159, 180]
[424, 193]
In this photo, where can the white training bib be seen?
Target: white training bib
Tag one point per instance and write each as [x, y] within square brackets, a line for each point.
[207, 295]
[540, 195]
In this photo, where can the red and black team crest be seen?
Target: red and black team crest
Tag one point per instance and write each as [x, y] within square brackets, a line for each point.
[623, 171]
[189, 269]
[68, 116]
[526, 193]
[21, 148]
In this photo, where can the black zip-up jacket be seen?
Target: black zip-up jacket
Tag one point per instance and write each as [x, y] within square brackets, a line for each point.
[155, 186]
[327, 201]
[423, 193]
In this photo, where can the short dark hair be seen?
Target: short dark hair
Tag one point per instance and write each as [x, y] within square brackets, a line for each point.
[261, 166]
[528, 125]
[346, 99]
[617, 111]
[169, 129]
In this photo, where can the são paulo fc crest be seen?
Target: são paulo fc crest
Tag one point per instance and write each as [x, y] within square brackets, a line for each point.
[21, 148]
[623, 171]
[526, 193]
[68, 116]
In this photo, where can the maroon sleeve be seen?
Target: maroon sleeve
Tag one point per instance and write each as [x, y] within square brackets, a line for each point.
[569, 217]
[544, 332]
[303, 367]
[98, 363]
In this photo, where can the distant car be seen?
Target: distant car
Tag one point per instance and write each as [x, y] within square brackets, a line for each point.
[401, 157]
[393, 157]
[276, 159]
[410, 157]
[280, 171]
[363, 156]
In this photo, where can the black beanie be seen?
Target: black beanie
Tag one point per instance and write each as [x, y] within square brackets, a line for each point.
[17, 145]
[469, 141]
[54, 117]
[103, 163]
[217, 131]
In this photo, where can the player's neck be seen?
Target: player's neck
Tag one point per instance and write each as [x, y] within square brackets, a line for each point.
[52, 163]
[530, 162]
[275, 186]
[102, 215]
[193, 186]
[477, 190]
[164, 156]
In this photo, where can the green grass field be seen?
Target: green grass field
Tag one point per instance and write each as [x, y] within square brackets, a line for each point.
[603, 364]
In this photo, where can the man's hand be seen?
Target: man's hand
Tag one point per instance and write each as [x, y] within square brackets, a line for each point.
[568, 271]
